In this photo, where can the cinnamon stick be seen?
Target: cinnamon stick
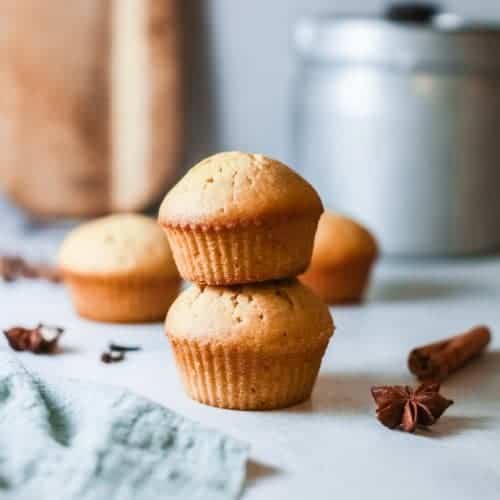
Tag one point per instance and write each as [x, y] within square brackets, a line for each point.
[436, 361]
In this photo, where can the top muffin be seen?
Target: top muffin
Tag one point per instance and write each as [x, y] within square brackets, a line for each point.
[239, 218]
[232, 188]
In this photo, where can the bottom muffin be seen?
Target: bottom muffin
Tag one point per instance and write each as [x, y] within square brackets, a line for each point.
[253, 347]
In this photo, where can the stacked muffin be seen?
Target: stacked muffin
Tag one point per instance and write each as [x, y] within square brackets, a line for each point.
[246, 334]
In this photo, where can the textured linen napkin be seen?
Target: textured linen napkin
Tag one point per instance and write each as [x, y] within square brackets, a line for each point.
[68, 440]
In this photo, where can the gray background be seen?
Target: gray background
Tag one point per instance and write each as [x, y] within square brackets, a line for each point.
[241, 64]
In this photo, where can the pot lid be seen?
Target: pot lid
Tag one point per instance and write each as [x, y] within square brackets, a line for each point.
[407, 36]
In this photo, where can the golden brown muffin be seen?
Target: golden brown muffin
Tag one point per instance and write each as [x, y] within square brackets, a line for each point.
[120, 269]
[253, 347]
[240, 218]
[343, 255]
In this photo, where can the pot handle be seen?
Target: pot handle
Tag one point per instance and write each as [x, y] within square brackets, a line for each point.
[413, 12]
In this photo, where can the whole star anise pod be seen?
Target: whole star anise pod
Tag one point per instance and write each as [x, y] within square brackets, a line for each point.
[402, 407]
[42, 339]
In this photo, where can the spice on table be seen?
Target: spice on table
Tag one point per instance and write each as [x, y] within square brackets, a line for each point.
[123, 348]
[402, 407]
[112, 357]
[12, 268]
[436, 361]
[45, 272]
[43, 339]
[116, 352]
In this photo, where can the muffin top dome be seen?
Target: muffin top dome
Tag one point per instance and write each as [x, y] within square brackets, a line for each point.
[340, 239]
[118, 244]
[281, 316]
[231, 188]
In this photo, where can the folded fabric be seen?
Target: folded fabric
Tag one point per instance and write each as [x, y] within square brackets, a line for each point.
[69, 440]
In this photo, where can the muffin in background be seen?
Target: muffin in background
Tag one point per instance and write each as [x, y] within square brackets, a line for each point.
[252, 347]
[343, 256]
[239, 218]
[119, 269]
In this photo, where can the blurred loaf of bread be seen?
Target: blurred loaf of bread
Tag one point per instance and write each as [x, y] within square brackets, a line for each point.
[91, 105]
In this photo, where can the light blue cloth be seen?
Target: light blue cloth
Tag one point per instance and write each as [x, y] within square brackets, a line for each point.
[67, 440]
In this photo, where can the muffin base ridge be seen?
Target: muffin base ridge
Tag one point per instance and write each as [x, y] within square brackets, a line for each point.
[242, 253]
[121, 300]
[237, 379]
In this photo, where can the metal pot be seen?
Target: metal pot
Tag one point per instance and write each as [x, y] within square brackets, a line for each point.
[397, 122]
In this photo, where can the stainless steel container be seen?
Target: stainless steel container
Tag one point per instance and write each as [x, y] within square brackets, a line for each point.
[398, 124]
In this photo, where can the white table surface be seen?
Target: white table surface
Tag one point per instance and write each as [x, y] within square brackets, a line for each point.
[331, 446]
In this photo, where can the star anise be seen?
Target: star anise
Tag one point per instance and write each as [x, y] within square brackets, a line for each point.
[402, 407]
[42, 339]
